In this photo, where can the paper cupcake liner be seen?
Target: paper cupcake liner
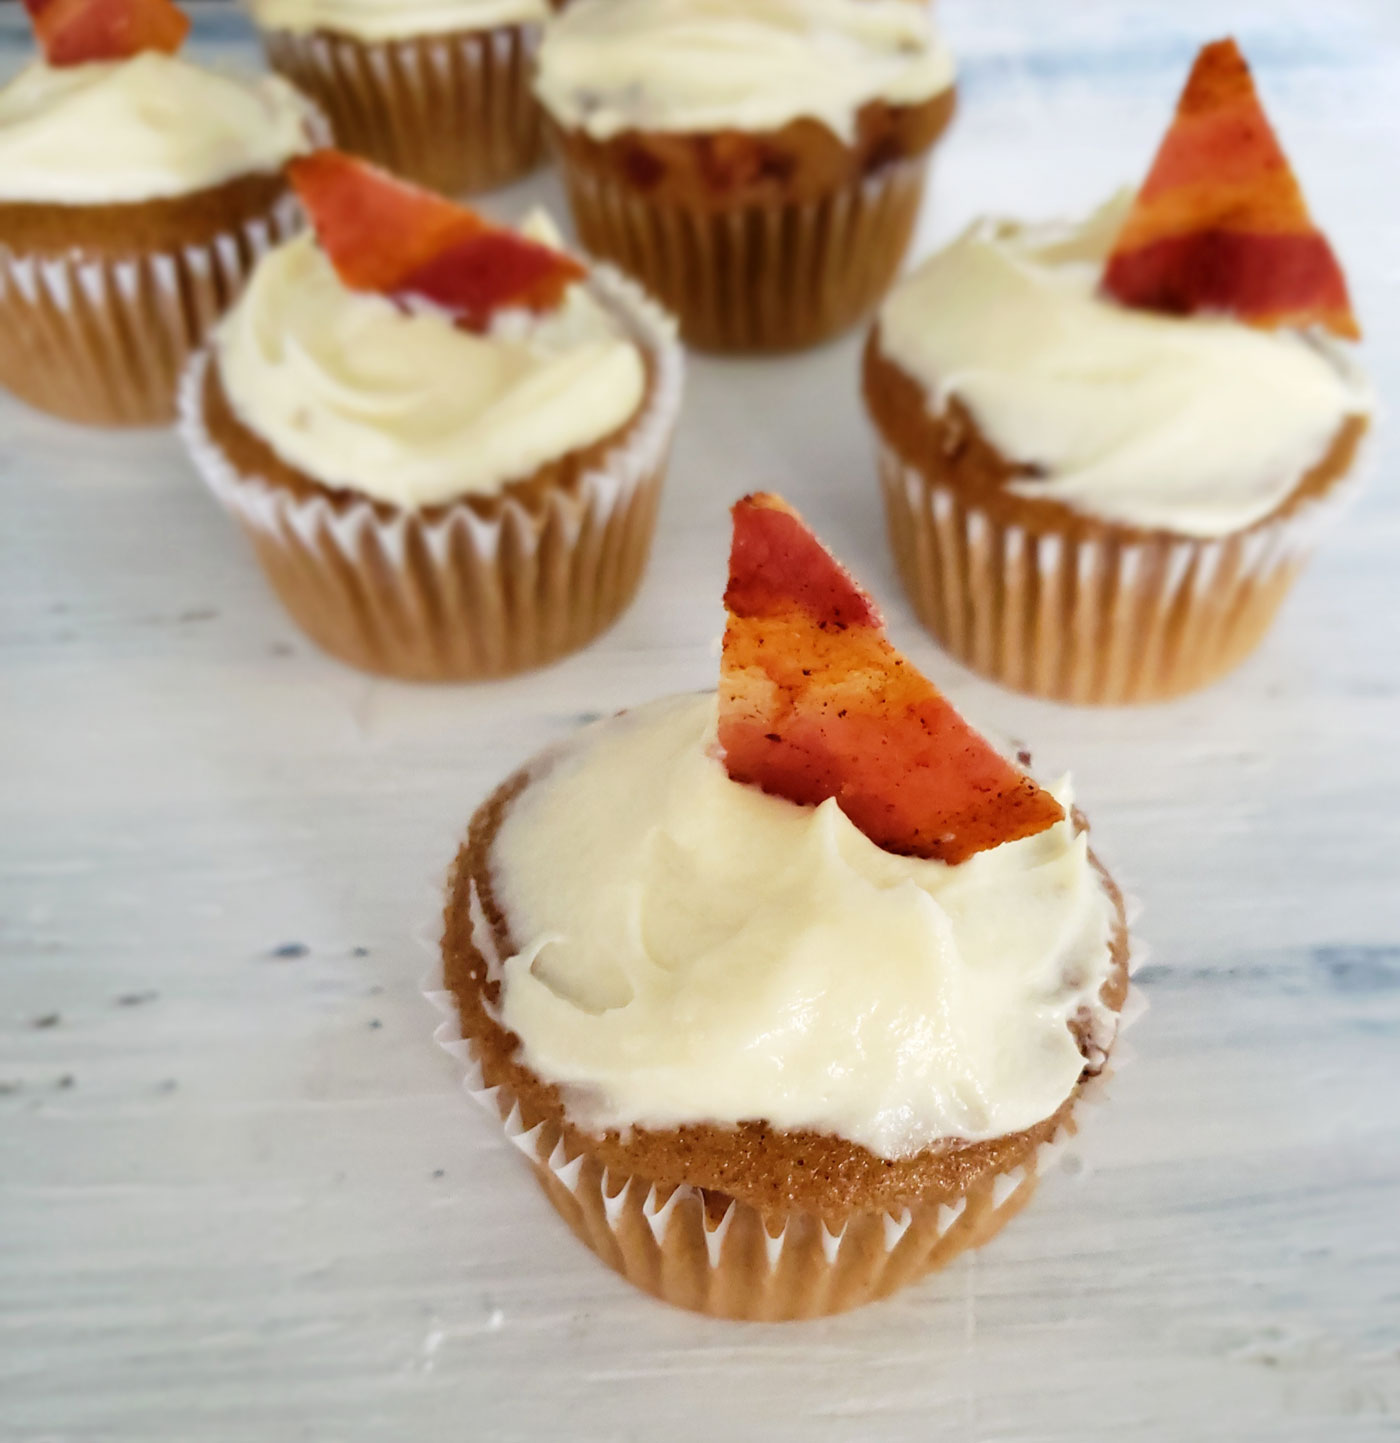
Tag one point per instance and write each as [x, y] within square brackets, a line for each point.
[755, 278]
[103, 340]
[454, 112]
[461, 595]
[716, 1255]
[1090, 619]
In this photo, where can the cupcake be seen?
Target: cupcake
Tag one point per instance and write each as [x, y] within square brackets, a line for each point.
[136, 191]
[785, 994]
[445, 440]
[436, 90]
[1106, 449]
[757, 164]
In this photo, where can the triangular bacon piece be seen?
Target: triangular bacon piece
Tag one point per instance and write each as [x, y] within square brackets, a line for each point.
[385, 235]
[75, 32]
[1220, 223]
[814, 702]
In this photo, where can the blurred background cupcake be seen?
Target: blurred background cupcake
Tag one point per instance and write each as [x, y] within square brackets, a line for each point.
[1107, 448]
[758, 164]
[445, 441]
[136, 192]
[438, 91]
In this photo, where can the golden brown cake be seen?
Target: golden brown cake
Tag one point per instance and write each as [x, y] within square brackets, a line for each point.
[1050, 600]
[116, 260]
[763, 188]
[1107, 448]
[420, 598]
[749, 1221]
[786, 994]
[437, 91]
[436, 495]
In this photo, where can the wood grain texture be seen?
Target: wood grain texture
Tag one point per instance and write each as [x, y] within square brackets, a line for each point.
[240, 1194]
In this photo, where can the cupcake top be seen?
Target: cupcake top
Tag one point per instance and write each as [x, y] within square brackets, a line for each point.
[608, 66]
[413, 353]
[372, 20]
[1197, 424]
[694, 950]
[822, 902]
[405, 407]
[142, 128]
[1165, 364]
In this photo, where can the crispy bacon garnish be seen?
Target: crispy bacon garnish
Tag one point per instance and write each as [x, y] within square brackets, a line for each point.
[814, 702]
[1220, 224]
[385, 235]
[76, 32]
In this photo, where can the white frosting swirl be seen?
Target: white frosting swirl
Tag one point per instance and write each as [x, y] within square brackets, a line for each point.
[693, 950]
[407, 407]
[133, 130]
[374, 20]
[703, 65]
[1198, 425]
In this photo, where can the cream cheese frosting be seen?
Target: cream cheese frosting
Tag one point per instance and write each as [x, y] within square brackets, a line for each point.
[1198, 425]
[693, 950]
[133, 130]
[375, 20]
[702, 65]
[403, 405]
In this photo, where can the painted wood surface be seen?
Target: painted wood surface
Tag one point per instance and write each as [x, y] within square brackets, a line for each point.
[240, 1194]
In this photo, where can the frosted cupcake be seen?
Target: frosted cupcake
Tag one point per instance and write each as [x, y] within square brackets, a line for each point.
[436, 90]
[445, 440]
[136, 191]
[758, 164]
[786, 995]
[1108, 448]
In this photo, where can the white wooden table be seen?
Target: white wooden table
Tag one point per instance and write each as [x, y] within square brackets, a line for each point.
[240, 1194]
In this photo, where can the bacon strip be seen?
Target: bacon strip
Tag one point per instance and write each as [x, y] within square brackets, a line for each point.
[816, 703]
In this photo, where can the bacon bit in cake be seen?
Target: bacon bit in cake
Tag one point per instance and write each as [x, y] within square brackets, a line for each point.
[399, 240]
[643, 169]
[830, 709]
[731, 161]
[1220, 224]
[77, 32]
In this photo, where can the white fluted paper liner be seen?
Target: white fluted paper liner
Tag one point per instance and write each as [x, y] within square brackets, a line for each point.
[718, 1256]
[103, 340]
[755, 277]
[459, 594]
[1091, 619]
[455, 112]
